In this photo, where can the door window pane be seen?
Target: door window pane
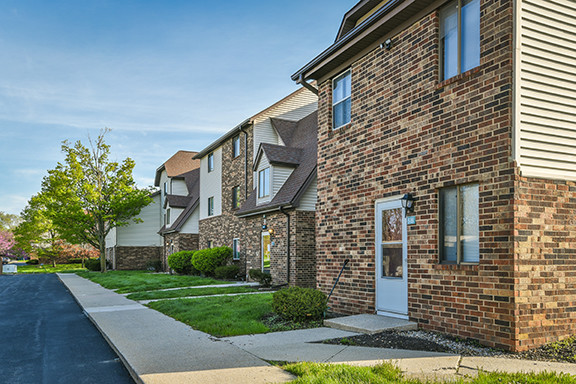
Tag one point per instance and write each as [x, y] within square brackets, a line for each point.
[392, 225]
[392, 260]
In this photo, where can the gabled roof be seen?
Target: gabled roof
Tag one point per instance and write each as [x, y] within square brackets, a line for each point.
[180, 163]
[278, 155]
[189, 202]
[182, 218]
[353, 38]
[304, 145]
[285, 129]
[176, 201]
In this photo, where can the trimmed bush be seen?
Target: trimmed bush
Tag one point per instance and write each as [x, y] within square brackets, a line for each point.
[264, 278]
[92, 265]
[181, 262]
[32, 262]
[299, 304]
[227, 272]
[207, 260]
[154, 265]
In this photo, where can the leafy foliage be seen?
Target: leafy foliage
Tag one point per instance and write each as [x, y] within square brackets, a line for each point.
[207, 260]
[264, 278]
[181, 262]
[87, 195]
[6, 243]
[8, 221]
[299, 304]
[227, 272]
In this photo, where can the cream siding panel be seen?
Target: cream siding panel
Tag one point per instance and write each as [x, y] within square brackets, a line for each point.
[163, 178]
[191, 225]
[144, 233]
[262, 164]
[279, 176]
[545, 89]
[179, 188]
[111, 238]
[211, 184]
[174, 213]
[308, 199]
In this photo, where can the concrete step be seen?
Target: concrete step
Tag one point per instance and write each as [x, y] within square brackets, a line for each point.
[370, 324]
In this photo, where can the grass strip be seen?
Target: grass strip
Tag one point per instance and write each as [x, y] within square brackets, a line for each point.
[60, 268]
[138, 281]
[188, 292]
[386, 373]
[220, 316]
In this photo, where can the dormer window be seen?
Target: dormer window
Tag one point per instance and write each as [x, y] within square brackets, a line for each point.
[341, 100]
[264, 183]
[210, 162]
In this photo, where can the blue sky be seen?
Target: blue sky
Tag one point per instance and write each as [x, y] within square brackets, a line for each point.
[164, 75]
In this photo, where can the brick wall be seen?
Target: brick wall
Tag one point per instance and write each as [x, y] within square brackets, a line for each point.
[176, 242]
[410, 133]
[545, 229]
[134, 258]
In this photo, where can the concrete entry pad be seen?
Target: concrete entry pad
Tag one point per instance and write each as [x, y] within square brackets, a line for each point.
[370, 324]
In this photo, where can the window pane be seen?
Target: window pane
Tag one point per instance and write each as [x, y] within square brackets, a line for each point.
[470, 34]
[392, 225]
[448, 221]
[470, 230]
[392, 260]
[341, 88]
[267, 181]
[342, 113]
[449, 40]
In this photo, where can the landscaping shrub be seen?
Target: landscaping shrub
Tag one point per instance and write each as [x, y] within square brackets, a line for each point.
[181, 262]
[32, 262]
[207, 260]
[92, 265]
[264, 278]
[299, 304]
[227, 272]
[154, 265]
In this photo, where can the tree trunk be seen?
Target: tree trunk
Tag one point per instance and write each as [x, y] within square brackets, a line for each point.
[102, 259]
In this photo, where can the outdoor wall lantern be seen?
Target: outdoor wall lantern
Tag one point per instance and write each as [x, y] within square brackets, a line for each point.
[271, 231]
[407, 203]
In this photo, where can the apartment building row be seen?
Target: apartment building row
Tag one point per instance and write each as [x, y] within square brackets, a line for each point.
[444, 170]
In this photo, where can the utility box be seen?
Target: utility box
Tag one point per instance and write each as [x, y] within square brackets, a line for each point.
[9, 268]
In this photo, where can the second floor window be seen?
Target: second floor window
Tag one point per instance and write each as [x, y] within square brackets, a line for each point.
[210, 162]
[459, 224]
[459, 37]
[210, 206]
[341, 100]
[236, 146]
[264, 183]
[236, 197]
[168, 216]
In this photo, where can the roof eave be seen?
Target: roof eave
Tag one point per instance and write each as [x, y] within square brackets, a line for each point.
[234, 131]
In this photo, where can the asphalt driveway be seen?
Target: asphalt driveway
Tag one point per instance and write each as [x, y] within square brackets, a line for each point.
[46, 338]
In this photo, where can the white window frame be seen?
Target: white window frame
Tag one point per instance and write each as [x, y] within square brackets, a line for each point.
[236, 249]
[236, 197]
[343, 75]
[210, 162]
[168, 217]
[264, 188]
[236, 146]
[211, 206]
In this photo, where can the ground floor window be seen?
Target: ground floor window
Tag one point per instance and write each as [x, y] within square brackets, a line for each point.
[459, 224]
[236, 249]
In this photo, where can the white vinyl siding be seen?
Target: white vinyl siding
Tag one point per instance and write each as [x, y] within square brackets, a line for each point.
[140, 234]
[179, 188]
[191, 225]
[279, 176]
[308, 199]
[211, 184]
[545, 92]
[174, 214]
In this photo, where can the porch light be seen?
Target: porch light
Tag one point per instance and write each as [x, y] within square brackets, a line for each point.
[271, 231]
[407, 203]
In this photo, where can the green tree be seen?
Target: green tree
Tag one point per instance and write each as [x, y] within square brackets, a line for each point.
[87, 195]
[8, 221]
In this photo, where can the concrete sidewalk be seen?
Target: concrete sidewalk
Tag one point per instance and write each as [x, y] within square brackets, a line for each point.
[158, 349]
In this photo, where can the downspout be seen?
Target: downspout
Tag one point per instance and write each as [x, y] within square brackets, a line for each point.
[245, 162]
[287, 244]
[302, 81]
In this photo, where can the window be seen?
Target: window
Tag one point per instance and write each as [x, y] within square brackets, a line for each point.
[264, 182]
[341, 97]
[236, 146]
[210, 206]
[168, 216]
[459, 37]
[458, 223]
[236, 197]
[236, 249]
[210, 244]
[210, 162]
[165, 188]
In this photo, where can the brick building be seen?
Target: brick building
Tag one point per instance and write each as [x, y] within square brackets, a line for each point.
[468, 108]
[227, 179]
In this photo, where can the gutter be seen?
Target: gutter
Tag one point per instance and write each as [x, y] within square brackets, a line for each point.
[281, 209]
[300, 77]
[221, 139]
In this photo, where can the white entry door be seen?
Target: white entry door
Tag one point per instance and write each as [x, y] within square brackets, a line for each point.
[391, 260]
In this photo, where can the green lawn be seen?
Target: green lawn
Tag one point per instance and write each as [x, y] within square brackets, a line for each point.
[316, 373]
[60, 268]
[220, 316]
[138, 281]
[189, 292]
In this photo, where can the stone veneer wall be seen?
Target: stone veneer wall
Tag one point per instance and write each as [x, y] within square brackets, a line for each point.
[176, 242]
[545, 251]
[133, 258]
[411, 133]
